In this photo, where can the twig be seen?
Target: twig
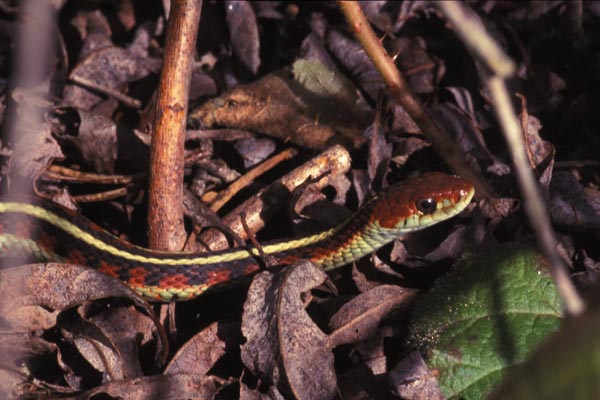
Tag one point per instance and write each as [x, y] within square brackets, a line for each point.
[472, 32]
[244, 180]
[272, 198]
[397, 85]
[100, 196]
[58, 172]
[165, 214]
[102, 89]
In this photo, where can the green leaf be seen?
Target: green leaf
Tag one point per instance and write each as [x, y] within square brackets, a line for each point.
[566, 367]
[484, 318]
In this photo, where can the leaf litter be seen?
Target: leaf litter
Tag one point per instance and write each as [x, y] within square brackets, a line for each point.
[270, 76]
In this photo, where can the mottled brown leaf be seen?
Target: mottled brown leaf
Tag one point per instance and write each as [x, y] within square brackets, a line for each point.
[109, 67]
[35, 148]
[20, 349]
[62, 286]
[423, 72]
[201, 352]
[94, 346]
[405, 147]
[254, 151]
[352, 56]
[94, 29]
[465, 132]
[179, 386]
[359, 318]
[540, 152]
[247, 393]
[573, 206]
[380, 153]
[284, 345]
[411, 379]
[27, 318]
[104, 145]
[244, 32]
[128, 330]
[280, 106]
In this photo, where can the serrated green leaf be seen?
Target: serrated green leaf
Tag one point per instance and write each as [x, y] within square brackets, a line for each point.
[484, 318]
[567, 366]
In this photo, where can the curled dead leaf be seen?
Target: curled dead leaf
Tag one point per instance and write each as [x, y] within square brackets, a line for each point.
[284, 345]
[360, 317]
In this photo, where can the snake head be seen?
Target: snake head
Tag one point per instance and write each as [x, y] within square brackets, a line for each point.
[423, 201]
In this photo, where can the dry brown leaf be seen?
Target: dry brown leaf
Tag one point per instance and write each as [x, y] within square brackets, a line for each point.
[411, 379]
[201, 352]
[467, 134]
[359, 318]
[180, 386]
[94, 346]
[573, 206]
[110, 67]
[128, 330]
[540, 152]
[243, 31]
[254, 151]
[279, 106]
[63, 286]
[284, 345]
[101, 143]
[19, 350]
[35, 148]
[27, 318]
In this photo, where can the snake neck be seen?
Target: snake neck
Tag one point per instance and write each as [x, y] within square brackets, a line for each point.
[340, 246]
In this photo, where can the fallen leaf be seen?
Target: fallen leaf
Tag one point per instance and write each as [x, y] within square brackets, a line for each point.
[284, 346]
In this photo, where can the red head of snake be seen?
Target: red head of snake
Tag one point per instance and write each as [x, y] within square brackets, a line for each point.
[422, 201]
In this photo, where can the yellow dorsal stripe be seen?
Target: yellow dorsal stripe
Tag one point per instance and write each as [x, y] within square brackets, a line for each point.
[75, 231]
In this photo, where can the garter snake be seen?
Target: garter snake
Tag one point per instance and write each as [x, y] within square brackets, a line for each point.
[47, 232]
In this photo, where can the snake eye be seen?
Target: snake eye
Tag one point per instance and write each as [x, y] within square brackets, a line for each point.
[426, 206]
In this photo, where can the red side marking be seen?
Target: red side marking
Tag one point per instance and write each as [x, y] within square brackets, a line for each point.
[47, 242]
[287, 260]
[214, 277]
[75, 257]
[109, 269]
[252, 268]
[178, 281]
[137, 276]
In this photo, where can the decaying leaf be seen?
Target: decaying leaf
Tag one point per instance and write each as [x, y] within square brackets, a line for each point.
[288, 109]
[284, 346]
[244, 32]
[573, 206]
[201, 352]
[109, 67]
[100, 142]
[411, 379]
[60, 287]
[359, 318]
[179, 386]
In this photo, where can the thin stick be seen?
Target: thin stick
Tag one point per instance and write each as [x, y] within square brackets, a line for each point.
[114, 93]
[266, 202]
[165, 209]
[244, 180]
[397, 85]
[472, 32]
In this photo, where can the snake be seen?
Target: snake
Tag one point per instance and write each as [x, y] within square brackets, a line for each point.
[43, 231]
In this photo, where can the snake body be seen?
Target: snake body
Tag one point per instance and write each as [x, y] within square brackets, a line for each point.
[47, 232]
